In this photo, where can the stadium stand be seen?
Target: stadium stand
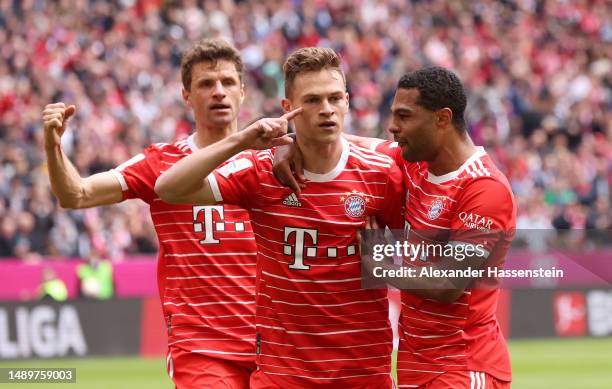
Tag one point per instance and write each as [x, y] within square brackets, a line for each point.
[538, 74]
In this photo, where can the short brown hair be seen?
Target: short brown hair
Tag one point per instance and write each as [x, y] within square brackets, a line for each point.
[310, 59]
[209, 50]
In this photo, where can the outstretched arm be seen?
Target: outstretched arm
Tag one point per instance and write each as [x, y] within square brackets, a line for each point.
[185, 182]
[72, 190]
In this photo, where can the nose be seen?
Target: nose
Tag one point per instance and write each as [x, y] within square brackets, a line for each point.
[393, 129]
[219, 90]
[326, 108]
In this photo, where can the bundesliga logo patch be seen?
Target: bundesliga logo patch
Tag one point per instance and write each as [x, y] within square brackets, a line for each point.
[354, 205]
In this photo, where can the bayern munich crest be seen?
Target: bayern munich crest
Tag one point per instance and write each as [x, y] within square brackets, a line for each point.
[435, 209]
[354, 205]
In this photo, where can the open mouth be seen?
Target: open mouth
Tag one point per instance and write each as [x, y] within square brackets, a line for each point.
[328, 124]
[219, 107]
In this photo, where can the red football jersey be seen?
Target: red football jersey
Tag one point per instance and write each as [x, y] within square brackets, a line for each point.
[207, 261]
[316, 325]
[465, 206]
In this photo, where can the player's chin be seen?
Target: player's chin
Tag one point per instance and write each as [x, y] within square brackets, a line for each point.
[329, 135]
[410, 155]
[220, 119]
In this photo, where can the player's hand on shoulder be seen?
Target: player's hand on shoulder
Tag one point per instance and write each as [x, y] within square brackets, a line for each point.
[268, 132]
[288, 167]
[55, 118]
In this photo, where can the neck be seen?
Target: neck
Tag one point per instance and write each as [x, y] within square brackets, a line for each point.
[320, 158]
[453, 153]
[206, 136]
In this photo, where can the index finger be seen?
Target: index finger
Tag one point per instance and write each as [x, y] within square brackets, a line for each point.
[291, 114]
[55, 105]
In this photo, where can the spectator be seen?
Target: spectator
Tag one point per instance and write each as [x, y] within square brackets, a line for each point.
[96, 278]
[538, 74]
[52, 287]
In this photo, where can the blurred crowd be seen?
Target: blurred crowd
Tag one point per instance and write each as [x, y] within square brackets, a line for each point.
[538, 76]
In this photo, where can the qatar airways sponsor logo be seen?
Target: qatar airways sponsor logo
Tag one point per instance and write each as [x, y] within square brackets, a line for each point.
[475, 221]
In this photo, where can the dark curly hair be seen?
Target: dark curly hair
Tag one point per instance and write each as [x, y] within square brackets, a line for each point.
[438, 88]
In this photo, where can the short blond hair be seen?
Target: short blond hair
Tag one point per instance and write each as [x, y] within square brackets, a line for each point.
[209, 50]
[310, 59]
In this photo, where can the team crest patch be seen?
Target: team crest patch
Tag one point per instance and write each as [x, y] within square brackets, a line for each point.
[354, 205]
[435, 209]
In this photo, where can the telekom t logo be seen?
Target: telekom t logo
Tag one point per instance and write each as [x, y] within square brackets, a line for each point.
[208, 226]
[299, 246]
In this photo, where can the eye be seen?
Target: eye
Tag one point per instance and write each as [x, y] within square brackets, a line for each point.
[335, 99]
[402, 115]
[312, 100]
[229, 82]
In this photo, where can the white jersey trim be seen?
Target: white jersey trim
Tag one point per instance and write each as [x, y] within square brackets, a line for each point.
[335, 172]
[480, 151]
[120, 178]
[191, 143]
[375, 143]
[214, 187]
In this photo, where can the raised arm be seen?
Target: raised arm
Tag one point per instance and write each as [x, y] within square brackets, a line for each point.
[185, 182]
[72, 190]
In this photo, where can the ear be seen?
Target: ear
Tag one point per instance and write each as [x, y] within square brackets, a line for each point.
[347, 101]
[444, 117]
[242, 94]
[286, 104]
[185, 93]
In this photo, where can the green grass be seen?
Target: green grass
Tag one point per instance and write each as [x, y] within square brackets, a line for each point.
[103, 373]
[555, 363]
[562, 363]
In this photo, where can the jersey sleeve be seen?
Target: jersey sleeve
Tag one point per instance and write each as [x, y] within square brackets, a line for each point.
[486, 214]
[237, 181]
[389, 148]
[392, 209]
[138, 174]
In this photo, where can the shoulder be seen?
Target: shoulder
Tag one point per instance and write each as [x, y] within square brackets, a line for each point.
[386, 147]
[165, 150]
[263, 156]
[482, 175]
[182, 145]
[241, 162]
[484, 184]
[367, 158]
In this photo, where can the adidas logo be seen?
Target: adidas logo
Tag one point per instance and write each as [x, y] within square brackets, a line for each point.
[292, 201]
